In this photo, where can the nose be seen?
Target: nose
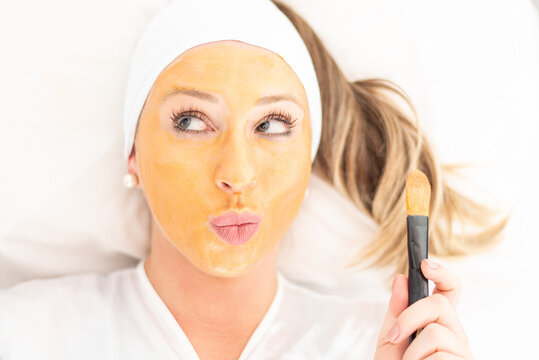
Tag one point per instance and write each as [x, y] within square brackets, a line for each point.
[235, 168]
[235, 187]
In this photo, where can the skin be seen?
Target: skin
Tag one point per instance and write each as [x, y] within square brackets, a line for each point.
[442, 336]
[234, 164]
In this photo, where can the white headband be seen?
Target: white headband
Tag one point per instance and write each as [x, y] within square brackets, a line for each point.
[184, 24]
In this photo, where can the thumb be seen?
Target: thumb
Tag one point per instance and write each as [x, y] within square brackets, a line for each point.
[397, 303]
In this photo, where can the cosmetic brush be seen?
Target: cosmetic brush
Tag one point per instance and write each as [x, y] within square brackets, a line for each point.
[417, 211]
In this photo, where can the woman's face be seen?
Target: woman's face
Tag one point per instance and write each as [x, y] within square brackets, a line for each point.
[214, 138]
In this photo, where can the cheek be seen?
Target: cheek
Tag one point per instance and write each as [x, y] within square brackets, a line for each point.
[176, 182]
[282, 186]
[174, 187]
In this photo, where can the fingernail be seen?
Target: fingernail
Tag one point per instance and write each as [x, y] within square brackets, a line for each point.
[433, 264]
[393, 334]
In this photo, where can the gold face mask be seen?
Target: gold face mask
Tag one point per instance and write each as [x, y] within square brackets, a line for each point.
[225, 128]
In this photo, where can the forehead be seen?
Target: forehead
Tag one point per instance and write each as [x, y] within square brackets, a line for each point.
[224, 65]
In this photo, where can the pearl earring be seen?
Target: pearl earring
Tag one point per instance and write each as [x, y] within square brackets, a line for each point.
[130, 181]
[306, 193]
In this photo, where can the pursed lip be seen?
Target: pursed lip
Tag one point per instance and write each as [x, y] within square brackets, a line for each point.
[236, 218]
[236, 228]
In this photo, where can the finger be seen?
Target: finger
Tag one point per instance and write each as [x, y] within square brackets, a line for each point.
[435, 308]
[399, 296]
[447, 283]
[397, 303]
[432, 339]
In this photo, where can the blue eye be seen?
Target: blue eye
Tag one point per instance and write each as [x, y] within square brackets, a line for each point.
[183, 119]
[284, 118]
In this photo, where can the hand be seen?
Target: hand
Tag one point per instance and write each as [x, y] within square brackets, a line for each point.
[442, 336]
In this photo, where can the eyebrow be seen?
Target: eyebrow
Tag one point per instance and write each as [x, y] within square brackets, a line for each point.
[211, 98]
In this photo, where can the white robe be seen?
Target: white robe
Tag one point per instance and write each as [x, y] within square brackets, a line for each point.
[121, 316]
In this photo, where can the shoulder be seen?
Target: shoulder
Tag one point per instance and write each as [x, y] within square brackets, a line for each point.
[54, 293]
[50, 308]
[335, 325]
[313, 300]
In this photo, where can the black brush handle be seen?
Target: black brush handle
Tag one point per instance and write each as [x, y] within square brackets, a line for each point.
[418, 236]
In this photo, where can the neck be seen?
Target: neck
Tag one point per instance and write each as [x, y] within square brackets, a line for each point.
[205, 302]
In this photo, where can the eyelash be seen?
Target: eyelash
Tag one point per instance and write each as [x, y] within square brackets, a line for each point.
[284, 117]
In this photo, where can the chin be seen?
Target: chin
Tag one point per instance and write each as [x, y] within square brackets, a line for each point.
[218, 259]
[229, 262]
[226, 270]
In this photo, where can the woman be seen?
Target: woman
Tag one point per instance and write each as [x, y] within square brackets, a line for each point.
[230, 128]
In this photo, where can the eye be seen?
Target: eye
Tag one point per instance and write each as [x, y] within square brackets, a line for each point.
[280, 121]
[189, 121]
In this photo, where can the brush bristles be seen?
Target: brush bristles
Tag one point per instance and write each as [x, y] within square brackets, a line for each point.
[417, 194]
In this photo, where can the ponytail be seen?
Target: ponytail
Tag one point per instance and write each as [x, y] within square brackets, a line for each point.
[368, 147]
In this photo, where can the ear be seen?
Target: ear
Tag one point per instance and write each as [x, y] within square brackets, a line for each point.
[132, 163]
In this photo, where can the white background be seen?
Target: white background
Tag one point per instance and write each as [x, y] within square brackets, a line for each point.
[469, 67]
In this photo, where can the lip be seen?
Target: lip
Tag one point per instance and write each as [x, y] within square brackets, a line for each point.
[235, 228]
[235, 218]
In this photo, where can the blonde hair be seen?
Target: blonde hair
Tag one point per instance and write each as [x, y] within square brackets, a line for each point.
[367, 149]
